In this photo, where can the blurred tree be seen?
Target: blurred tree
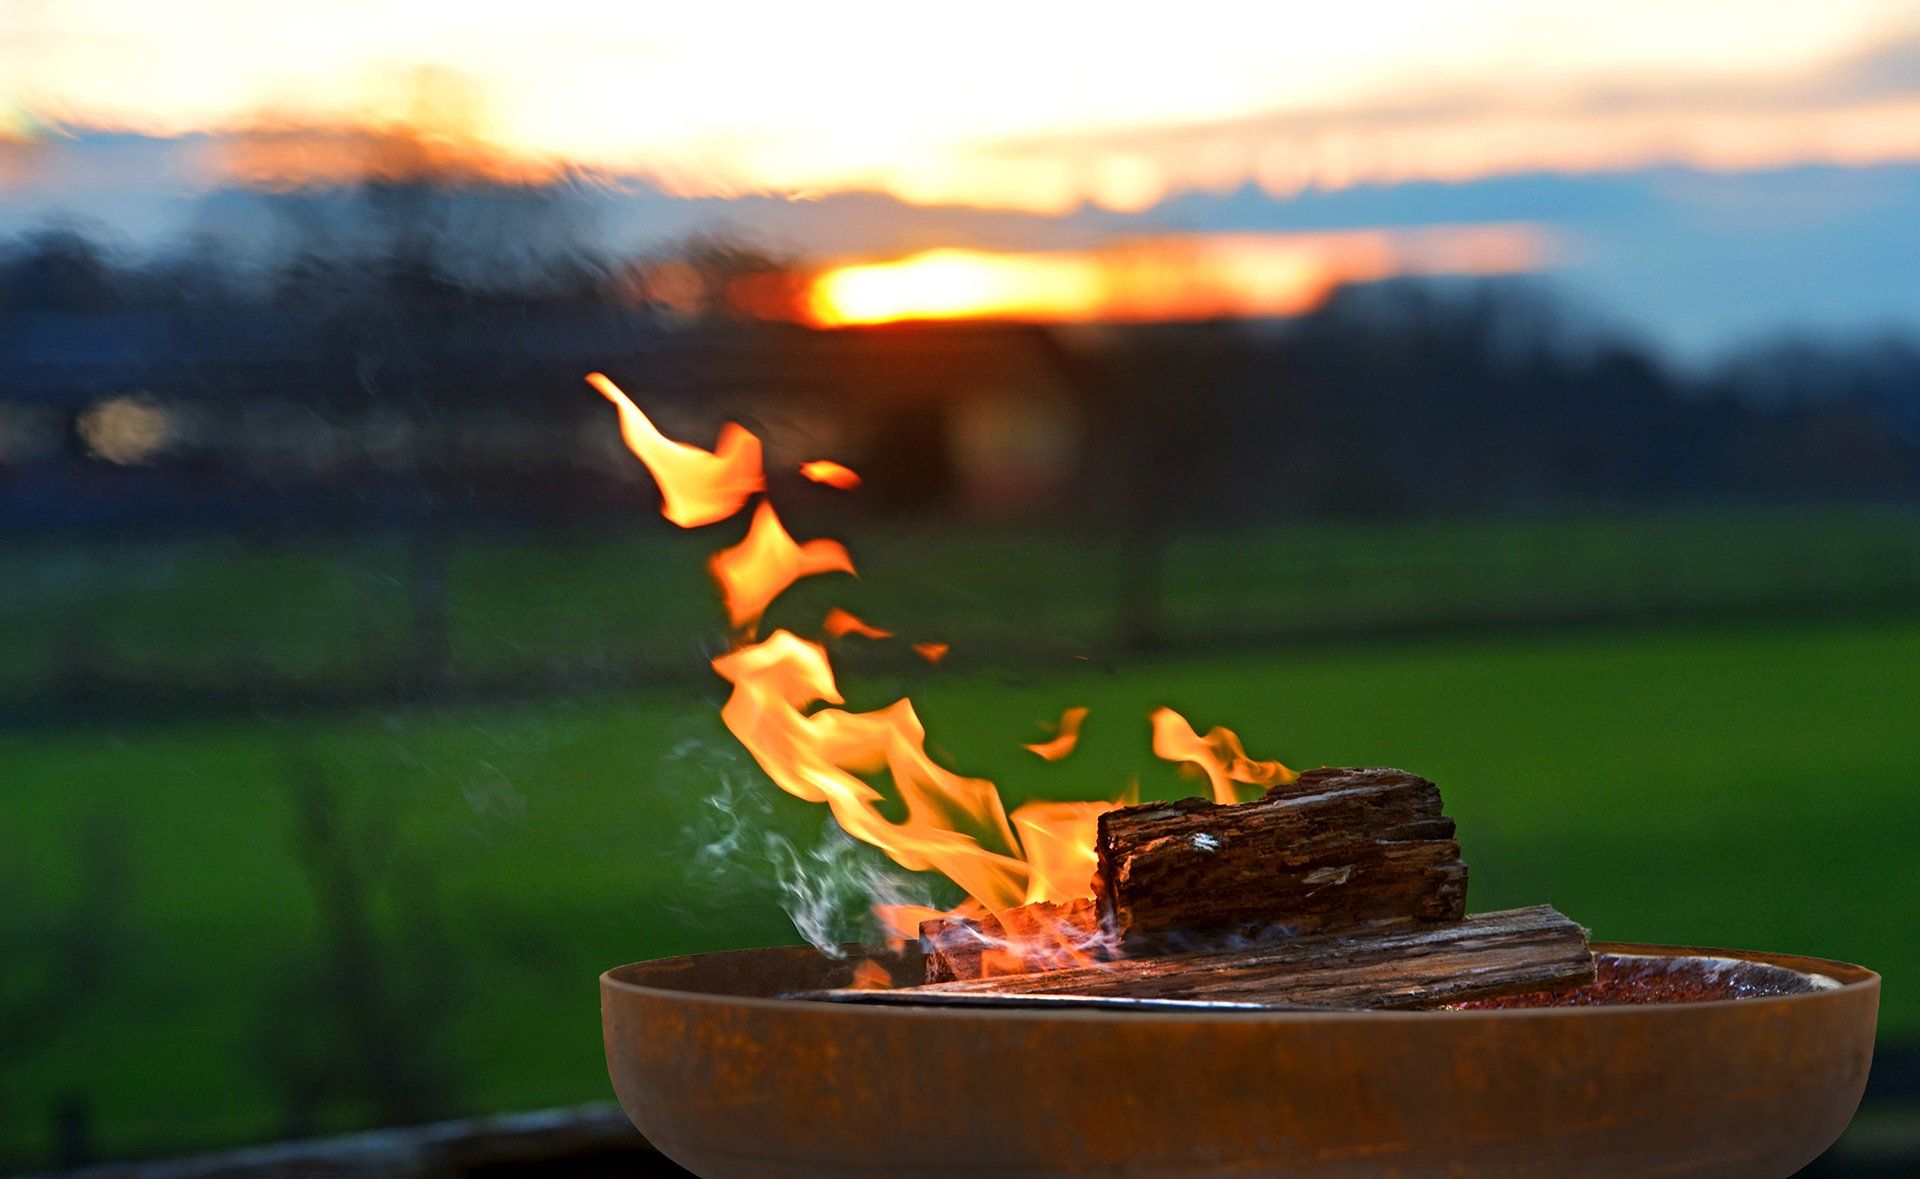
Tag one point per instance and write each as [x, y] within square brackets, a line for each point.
[60, 269]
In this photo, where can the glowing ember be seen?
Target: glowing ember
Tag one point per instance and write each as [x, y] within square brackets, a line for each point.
[830, 473]
[1068, 738]
[786, 709]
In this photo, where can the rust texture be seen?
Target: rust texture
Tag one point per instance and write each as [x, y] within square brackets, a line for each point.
[731, 1082]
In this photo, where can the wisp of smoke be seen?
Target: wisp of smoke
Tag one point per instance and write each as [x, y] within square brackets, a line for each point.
[828, 887]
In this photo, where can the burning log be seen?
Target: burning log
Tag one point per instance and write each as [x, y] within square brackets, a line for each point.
[1040, 936]
[1338, 849]
[1483, 956]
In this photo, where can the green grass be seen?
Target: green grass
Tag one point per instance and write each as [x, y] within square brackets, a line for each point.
[1744, 788]
[219, 611]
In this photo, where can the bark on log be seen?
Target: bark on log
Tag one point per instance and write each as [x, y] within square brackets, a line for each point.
[1337, 849]
[1484, 956]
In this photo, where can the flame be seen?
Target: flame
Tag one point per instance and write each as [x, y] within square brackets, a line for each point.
[1219, 755]
[696, 486]
[830, 473]
[760, 568]
[786, 709]
[1058, 838]
[869, 975]
[1042, 936]
[1068, 738]
[954, 825]
[839, 623]
[901, 923]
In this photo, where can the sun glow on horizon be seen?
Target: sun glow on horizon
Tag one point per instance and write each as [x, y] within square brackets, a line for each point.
[1158, 279]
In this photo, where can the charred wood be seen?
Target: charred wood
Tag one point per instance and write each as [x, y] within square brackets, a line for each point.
[1483, 956]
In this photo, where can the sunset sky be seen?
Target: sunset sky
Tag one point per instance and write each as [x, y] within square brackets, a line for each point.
[1015, 105]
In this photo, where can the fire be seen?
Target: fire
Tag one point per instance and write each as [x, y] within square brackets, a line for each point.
[1219, 755]
[831, 474]
[760, 568]
[696, 486]
[954, 825]
[1067, 738]
[870, 976]
[1058, 837]
[839, 623]
[901, 923]
[786, 709]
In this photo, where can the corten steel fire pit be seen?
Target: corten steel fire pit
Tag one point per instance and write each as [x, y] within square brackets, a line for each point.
[729, 1079]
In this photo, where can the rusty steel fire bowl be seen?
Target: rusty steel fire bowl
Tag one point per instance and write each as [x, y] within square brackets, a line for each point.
[729, 1080]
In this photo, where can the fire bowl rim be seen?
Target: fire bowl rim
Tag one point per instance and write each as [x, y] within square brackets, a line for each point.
[1850, 978]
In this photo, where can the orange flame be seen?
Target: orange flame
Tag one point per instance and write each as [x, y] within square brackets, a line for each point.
[786, 710]
[1058, 838]
[1068, 738]
[696, 486]
[870, 976]
[1219, 755]
[901, 923]
[760, 568]
[838, 624]
[830, 473]
[954, 825]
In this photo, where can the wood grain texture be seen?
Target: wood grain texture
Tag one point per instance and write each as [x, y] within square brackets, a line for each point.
[1483, 956]
[1337, 849]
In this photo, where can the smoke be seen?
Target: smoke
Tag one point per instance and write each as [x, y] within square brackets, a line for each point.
[829, 890]
[827, 884]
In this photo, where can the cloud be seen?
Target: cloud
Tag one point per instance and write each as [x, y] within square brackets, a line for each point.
[1890, 68]
[1863, 107]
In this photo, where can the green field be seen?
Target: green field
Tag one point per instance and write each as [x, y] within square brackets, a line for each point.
[1734, 785]
[339, 611]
